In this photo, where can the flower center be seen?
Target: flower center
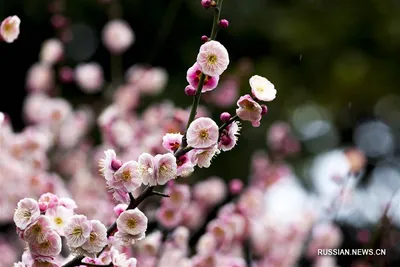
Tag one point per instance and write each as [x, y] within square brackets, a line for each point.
[204, 134]
[131, 223]
[93, 236]
[58, 221]
[126, 175]
[176, 197]
[212, 59]
[248, 105]
[169, 214]
[27, 214]
[260, 89]
[37, 229]
[77, 231]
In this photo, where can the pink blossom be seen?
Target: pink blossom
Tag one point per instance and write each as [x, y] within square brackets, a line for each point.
[262, 89]
[249, 110]
[229, 137]
[185, 166]
[40, 78]
[148, 80]
[179, 195]
[132, 225]
[77, 231]
[203, 157]
[206, 244]
[150, 245]
[202, 133]
[59, 216]
[97, 238]
[52, 51]
[127, 177]
[48, 201]
[169, 217]
[172, 141]
[210, 192]
[89, 77]
[157, 170]
[27, 212]
[9, 29]
[51, 245]
[118, 36]
[213, 58]
[120, 208]
[166, 168]
[193, 78]
[37, 232]
[105, 165]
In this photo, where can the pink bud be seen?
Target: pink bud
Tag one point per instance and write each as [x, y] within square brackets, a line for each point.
[190, 90]
[223, 23]
[225, 116]
[205, 38]
[116, 164]
[264, 110]
[66, 74]
[235, 186]
[225, 140]
[206, 3]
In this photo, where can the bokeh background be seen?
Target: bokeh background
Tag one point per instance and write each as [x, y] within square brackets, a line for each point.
[335, 65]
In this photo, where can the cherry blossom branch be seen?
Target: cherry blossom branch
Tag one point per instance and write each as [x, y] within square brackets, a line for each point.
[197, 96]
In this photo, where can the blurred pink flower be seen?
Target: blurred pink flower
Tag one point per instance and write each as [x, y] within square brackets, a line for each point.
[118, 36]
[9, 29]
[89, 77]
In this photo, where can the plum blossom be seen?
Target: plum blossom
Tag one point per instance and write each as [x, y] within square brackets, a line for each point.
[77, 230]
[131, 225]
[203, 157]
[229, 137]
[249, 110]
[27, 212]
[9, 29]
[120, 260]
[97, 238]
[193, 78]
[169, 216]
[262, 89]
[118, 36]
[37, 232]
[127, 177]
[213, 58]
[51, 245]
[105, 165]
[166, 168]
[59, 216]
[52, 51]
[202, 133]
[172, 141]
[157, 170]
[89, 77]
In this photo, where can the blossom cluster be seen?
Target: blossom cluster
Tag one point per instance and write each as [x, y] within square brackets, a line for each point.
[56, 163]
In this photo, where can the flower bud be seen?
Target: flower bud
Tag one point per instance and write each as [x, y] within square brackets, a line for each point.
[223, 23]
[190, 90]
[205, 38]
[225, 116]
[206, 3]
[264, 110]
[116, 164]
[235, 186]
